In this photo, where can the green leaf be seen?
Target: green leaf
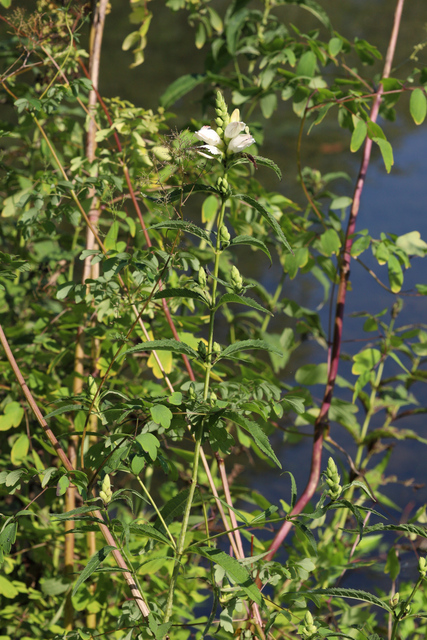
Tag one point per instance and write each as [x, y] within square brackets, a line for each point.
[8, 537]
[358, 136]
[75, 514]
[251, 241]
[355, 594]
[111, 237]
[315, 9]
[234, 570]
[65, 409]
[161, 415]
[259, 436]
[268, 104]
[62, 486]
[173, 508]
[395, 274]
[386, 152]
[334, 46]
[307, 64]
[404, 528]
[267, 215]
[341, 202]
[149, 531]
[148, 441]
[13, 414]
[183, 225]
[233, 297]
[418, 106]
[392, 566]
[310, 374]
[93, 565]
[7, 589]
[266, 162]
[245, 345]
[366, 360]
[186, 190]
[412, 244]
[19, 449]
[179, 88]
[175, 346]
[179, 293]
[330, 242]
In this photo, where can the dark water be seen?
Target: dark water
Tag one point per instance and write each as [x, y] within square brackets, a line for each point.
[394, 203]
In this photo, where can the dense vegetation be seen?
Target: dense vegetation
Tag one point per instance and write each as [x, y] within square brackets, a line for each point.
[141, 361]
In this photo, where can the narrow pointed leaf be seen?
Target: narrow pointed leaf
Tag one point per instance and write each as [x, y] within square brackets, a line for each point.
[175, 346]
[183, 225]
[386, 152]
[179, 293]
[253, 242]
[189, 189]
[267, 215]
[180, 88]
[355, 594]
[233, 297]
[234, 569]
[150, 532]
[93, 565]
[247, 345]
[253, 428]
[173, 508]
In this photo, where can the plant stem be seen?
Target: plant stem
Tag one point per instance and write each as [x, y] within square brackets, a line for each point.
[199, 434]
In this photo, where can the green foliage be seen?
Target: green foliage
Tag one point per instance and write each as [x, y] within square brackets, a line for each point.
[153, 356]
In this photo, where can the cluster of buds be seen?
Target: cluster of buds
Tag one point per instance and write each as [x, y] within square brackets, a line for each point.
[222, 186]
[308, 629]
[224, 236]
[202, 351]
[422, 567]
[106, 493]
[333, 480]
[231, 136]
[236, 280]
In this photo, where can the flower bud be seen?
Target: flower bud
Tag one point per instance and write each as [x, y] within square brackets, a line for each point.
[202, 277]
[422, 567]
[225, 236]
[216, 348]
[333, 480]
[236, 279]
[309, 629]
[192, 391]
[201, 348]
[213, 398]
[394, 601]
[219, 122]
[106, 493]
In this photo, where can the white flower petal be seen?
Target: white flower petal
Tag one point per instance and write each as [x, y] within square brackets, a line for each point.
[208, 135]
[233, 129]
[214, 151]
[240, 142]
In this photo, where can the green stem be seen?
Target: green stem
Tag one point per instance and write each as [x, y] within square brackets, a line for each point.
[159, 515]
[273, 304]
[399, 616]
[199, 434]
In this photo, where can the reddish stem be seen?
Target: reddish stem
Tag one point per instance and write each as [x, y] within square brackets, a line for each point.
[321, 424]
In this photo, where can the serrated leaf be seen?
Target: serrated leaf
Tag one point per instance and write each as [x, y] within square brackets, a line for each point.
[267, 215]
[93, 564]
[233, 297]
[247, 345]
[149, 531]
[175, 346]
[254, 242]
[404, 528]
[74, 514]
[173, 508]
[183, 225]
[355, 594]
[234, 569]
[179, 293]
[253, 428]
[266, 162]
[418, 106]
[65, 409]
[179, 88]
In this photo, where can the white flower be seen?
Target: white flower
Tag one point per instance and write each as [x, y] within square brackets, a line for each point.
[240, 142]
[214, 151]
[208, 135]
[233, 129]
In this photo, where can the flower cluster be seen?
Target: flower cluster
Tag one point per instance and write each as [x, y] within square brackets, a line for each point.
[231, 136]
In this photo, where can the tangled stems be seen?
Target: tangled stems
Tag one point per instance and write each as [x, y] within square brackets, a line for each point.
[199, 431]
